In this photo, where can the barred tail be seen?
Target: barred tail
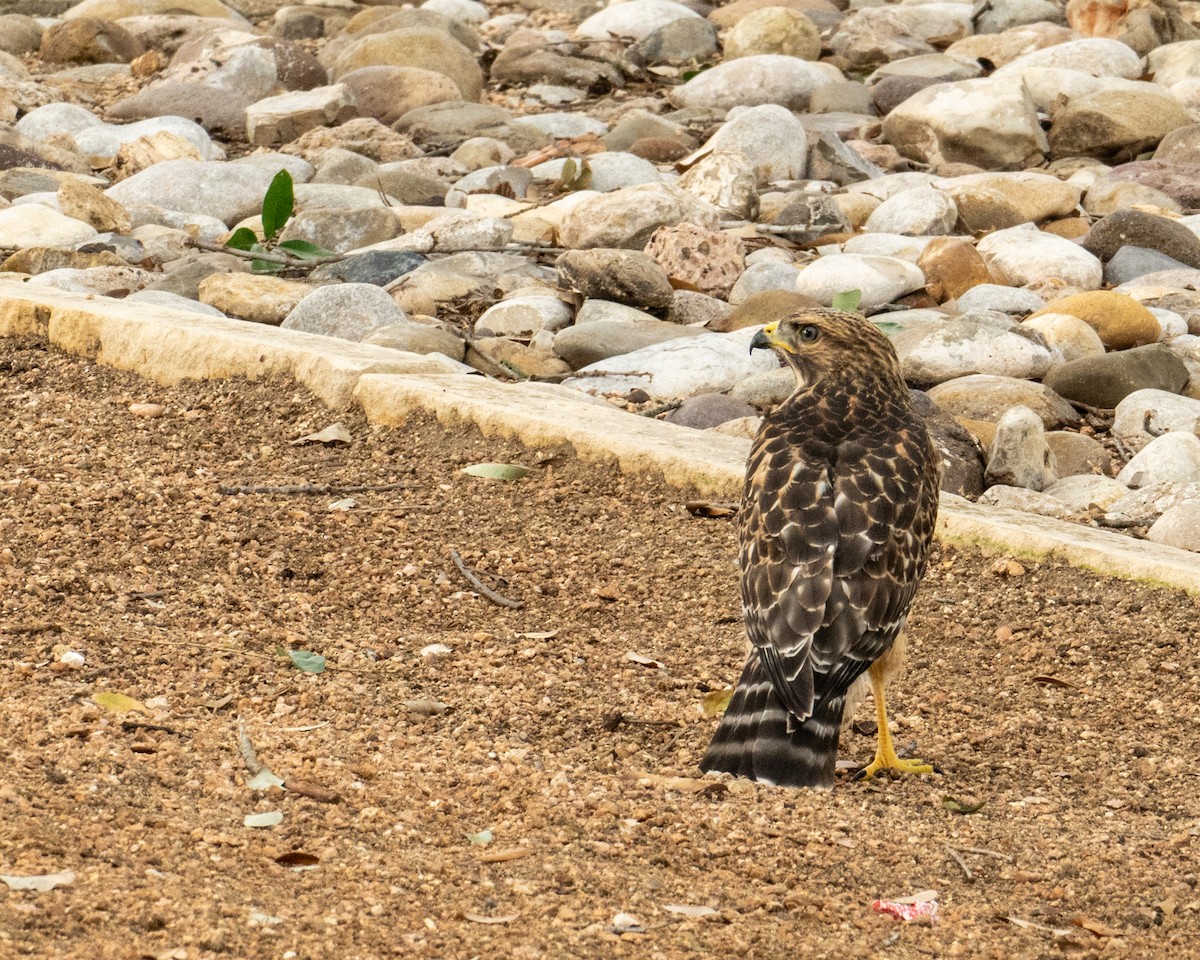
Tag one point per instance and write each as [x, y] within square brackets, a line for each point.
[759, 739]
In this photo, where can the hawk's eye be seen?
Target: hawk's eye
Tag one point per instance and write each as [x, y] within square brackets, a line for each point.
[809, 333]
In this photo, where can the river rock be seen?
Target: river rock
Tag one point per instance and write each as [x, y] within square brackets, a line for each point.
[626, 276]
[626, 218]
[1178, 527]
[774, 30]
[1148, 413]
[1068, 336]
[1030, 256]
[1171, 458]
[952, 266]
[1106, 380]
[1138, 228]
[349, 311]
[679, 368]
[420, 338]
[426, 48]
[771, 138]
[520, 317]
[1010, 300]
[750, 81]
[1076, 454]
[923, 211]
[708, 410]
[633, 19]
[939, 352]
[986, 397]
[996, 201]
[1115, 124]
[880, 279]
[708, 261]
[255, 297]
[1026, 501]
[1083, 493]
[1120, 320]
[591, 341]
[1018, 456]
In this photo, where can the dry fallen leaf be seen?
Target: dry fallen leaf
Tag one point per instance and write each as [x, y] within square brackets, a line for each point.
[426, 708]
[298, 860]
[716, 702]
[39, 883]
[118, 702]
[1096, 927]
[644, 660]
[334, 433]
[689, 910]
[1056, 682]
[314, 791]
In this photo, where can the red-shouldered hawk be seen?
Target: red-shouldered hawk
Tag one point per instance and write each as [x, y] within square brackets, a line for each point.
[837, 514]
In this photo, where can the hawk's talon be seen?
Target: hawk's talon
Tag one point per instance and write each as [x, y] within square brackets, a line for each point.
[894, 765]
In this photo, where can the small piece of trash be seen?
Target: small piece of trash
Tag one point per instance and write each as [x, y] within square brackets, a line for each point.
[958, 806]
[264, 780]
[922, 905]
[118, 702]
[627, 923]
[307, 661]
[262, 820]
[39, 883]
[481, 839]
[334, 433]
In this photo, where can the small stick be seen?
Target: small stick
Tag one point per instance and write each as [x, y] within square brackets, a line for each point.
[138, 725]
[984, 853]
[484, 591]
[962, 864]
[661, 408]
[1104, 413]
[267, 255]
[315, 488]
[775, 229]
[28, 628]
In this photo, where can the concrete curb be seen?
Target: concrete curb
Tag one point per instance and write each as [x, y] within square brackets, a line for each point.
[168, 346]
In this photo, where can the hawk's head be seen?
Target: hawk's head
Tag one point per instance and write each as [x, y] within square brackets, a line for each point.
[818, 343]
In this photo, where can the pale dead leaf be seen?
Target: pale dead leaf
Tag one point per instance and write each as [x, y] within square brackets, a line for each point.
[39, 883]
[334, 433]
[480, 918]
[689, 910]
[644, 661]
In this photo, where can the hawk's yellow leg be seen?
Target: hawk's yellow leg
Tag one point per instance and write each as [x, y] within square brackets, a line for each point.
[885, 751]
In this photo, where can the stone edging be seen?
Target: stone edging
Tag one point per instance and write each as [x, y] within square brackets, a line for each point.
[168, 346]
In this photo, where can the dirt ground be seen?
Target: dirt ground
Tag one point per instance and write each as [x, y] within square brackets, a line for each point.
[1065, 703]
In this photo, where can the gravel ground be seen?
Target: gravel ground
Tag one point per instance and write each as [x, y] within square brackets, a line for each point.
[1065, 703]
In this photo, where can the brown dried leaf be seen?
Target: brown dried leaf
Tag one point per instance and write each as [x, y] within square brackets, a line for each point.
[298, 859]
[314, 791]
[505, 854]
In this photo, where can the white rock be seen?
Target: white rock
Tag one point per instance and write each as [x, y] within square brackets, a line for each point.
[1160, 411]
[763, 276]
[1095, 55]
[469, 11]
[1178, 527]
[886, 187]
[1147, 502]
[1018, 455]
[594, 310]
[958, 348]
[1173, 325]
[1171, 458]
[881, 279]
[37, 225]
[1029, 256]
[520, 317]
[228, 191]
[626, 218]
[992, 296]
[989, 122]
[749, 81]
[634, 19]
[1084, 491]
[770, 137]
[727, 181]
[1047, 84]
[1170, 63]
[349, 311]
[1069, 337]
[456, 230]
[887, 245]
[707, 363]
[282, 118]
[921, 212]
[164, 298]
[608, 171]
[95, 138]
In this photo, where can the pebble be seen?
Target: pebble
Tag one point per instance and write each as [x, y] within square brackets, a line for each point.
[411, 134]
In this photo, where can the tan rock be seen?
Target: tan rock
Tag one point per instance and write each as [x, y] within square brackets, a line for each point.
[952, 266]
[144, 152]
[259, 298]
[35, 260]
[280, 119]
[89, 40]
[363, 135]
[774, 30]
[84, 202]
[697, 259]
[499, 356]
[765, 307]
[148, 64]
[387, 93]
[996, 201]
[1120, 321]
[1116, 124]
[422, 47]
[1070, 227]
[116, 9]
[732, 13]
[1001, 48]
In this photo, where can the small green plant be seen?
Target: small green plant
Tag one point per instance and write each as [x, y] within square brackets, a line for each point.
[278, 203]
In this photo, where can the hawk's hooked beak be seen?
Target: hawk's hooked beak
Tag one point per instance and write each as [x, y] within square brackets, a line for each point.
[765, 339]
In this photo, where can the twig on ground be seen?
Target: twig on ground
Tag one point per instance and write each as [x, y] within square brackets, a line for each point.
[1104, 413]
[774, 229]
[23, 629]
[983, 853]
[480, 588]
[1115, 522]
[139, 725]
[268, 255]
[962, 864]
[661, 408]
[317, 489]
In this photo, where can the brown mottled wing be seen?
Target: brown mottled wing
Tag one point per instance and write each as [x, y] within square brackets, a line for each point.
[833, 541]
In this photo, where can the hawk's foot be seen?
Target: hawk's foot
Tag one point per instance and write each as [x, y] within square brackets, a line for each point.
[892, 763]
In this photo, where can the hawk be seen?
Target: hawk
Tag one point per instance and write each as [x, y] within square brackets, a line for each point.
[837, 515]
